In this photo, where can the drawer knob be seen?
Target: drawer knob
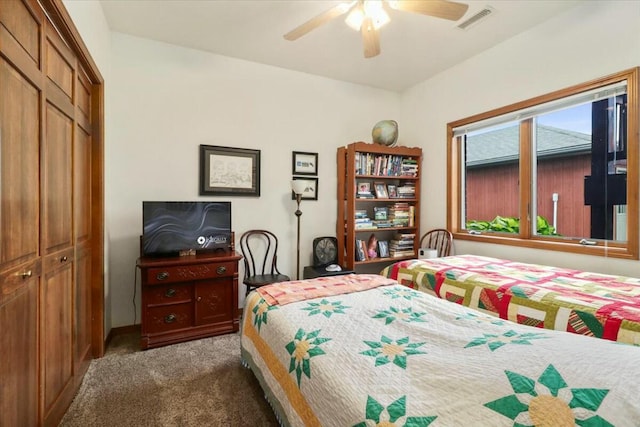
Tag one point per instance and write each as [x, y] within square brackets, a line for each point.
[170, 318]
[63, 259]
[170, 293]
[221, 270]
[162, 276]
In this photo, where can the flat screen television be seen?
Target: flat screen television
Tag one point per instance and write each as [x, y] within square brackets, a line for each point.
[172, 227]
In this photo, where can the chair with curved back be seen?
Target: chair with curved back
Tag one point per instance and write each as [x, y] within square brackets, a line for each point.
[438, 239]
[260, 251]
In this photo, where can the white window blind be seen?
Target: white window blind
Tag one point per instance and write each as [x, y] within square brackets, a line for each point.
[615, 89]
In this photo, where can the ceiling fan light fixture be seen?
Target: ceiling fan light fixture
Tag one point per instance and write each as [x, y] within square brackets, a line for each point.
[355, 17]
[375, 10]
[368, 9]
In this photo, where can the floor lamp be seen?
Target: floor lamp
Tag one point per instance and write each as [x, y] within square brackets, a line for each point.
[298, 187]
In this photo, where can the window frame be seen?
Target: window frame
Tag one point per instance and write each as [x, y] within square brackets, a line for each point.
[525, 238]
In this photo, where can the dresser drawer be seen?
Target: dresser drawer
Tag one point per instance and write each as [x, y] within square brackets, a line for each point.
[167, 294]
[168, 318]
[184, 273]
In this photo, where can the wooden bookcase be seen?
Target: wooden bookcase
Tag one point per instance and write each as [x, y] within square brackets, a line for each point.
[361, 164]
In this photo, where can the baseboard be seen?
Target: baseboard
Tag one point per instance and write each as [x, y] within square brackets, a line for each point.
[122, 330]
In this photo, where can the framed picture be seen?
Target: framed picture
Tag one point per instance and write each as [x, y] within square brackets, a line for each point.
[361, 250]
[383, 248]
[305, 163]
[381, 190]
[364, 190]
[227, 171]
[393, 193]
[310, 191]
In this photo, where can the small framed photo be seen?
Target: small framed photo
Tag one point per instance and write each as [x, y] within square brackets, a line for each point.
[310, 190]
[364, 188]
[383, 248]
[393, 193]
[380, 213]
[381, 190]
[305, 163]
[228, 171]
[361, 250]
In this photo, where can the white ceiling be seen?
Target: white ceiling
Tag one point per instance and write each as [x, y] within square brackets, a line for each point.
[414, 47]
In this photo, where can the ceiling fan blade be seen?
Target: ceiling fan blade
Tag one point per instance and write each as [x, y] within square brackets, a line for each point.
[370, 38]
[318, 20]
[438, 8]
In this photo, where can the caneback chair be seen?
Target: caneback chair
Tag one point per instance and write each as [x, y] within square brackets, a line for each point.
[438, 239]
[260, 251]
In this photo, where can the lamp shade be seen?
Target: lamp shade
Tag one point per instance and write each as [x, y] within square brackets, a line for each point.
[298, 186]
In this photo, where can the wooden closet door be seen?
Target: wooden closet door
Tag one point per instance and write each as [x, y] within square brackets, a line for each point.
[51, 212]
[82, 214]
[56, 305]
[20, 133]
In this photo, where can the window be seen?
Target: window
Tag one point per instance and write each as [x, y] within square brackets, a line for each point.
[557, 172]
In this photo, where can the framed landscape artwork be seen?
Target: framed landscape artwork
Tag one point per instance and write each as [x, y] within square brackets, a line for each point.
[228, 171]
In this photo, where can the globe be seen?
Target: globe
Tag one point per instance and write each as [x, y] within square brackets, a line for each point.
[385, 132]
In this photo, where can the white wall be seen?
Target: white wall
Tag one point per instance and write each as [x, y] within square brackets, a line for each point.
[167, 100]
[595, 39]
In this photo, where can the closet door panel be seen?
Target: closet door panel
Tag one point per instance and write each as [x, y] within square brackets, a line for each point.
[59, 63]
[20, 265]
[82, 214]
[19, 164]
[18, 341]
[22, 24]
[57, 303]
[57, 181]
[82, 311]
[56, 338]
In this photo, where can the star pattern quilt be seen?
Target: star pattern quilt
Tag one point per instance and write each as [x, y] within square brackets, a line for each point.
[394, 356]
[580, 302]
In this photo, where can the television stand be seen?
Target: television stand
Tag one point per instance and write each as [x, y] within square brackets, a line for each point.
[188, 297]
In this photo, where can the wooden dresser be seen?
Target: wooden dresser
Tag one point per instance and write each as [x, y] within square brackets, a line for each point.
[188, 297]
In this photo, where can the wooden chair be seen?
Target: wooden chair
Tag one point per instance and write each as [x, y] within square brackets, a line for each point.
[439, 239]
[260, 248]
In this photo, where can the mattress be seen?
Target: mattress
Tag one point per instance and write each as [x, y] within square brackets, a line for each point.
[597, 305]
[391, 355]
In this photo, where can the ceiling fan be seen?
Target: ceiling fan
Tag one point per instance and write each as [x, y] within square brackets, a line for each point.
[367, 16]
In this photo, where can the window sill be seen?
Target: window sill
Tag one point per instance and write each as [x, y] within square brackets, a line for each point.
[554, 244]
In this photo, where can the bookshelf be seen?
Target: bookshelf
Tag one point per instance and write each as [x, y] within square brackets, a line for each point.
[378, 219]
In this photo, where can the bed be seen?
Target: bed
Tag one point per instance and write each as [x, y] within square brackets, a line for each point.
[597, 305]
[363, 350]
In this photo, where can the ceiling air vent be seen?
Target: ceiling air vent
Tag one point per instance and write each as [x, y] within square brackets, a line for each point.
[483, 14]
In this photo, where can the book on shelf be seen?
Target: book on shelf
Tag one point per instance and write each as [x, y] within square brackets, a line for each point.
[397, 254]
[361, 250]
[383, 224]
[401, 245]
[385, 165]
[368, 195]
[412, 215]
[365, 225]
[404, 236]
[401, 214]
[409, 167]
